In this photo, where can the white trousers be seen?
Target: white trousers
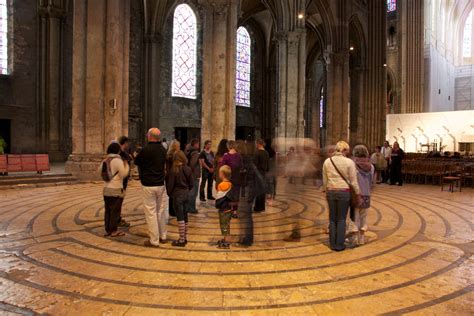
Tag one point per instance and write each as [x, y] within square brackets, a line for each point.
[155, 214]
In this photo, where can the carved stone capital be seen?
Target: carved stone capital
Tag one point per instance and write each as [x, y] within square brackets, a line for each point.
[280, 36]
[339, 58]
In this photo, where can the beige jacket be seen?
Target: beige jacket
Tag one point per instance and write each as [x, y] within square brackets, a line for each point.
[332, 179]
[119, 170]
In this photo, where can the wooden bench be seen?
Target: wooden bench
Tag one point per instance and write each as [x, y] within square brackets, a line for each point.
[24, 163]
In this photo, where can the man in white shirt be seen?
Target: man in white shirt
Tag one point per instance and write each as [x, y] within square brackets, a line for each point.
[387, 153]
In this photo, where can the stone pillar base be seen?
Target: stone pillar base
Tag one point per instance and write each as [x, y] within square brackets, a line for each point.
[84, 166]
[57, 156]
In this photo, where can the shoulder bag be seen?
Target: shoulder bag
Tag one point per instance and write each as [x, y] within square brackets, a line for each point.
[354, 197]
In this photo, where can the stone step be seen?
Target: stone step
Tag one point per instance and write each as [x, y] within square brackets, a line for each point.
[40, 179]
[29, 175]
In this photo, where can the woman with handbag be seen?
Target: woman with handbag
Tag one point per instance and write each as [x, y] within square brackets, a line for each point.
[342, 191]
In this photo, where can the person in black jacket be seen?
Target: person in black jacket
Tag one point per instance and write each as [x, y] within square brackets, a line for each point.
[179, 183]
[262, 161]
[151, 166]
[396, 165]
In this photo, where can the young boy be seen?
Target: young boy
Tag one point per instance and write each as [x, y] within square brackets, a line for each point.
[223, 205]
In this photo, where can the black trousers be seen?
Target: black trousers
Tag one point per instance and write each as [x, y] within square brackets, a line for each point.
[260, 203]
[113, 208]
[396, 173]
[209, 178]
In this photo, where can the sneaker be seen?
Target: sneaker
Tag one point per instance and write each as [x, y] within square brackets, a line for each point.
[124, 223]
[163, 241]
[178, 243]
[149, 244]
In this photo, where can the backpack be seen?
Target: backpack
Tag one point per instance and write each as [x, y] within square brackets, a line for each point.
[106, 171]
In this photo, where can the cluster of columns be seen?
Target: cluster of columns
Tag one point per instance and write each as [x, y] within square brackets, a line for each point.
[51, 17]
[100, 80]
[412, 56]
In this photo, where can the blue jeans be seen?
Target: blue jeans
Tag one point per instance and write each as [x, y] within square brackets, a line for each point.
[338, 202]
[193, 196]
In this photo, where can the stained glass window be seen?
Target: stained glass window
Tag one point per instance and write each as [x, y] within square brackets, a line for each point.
[467, 37]
[242, 73]
[391, 5]
[184, 52]
[321, 109]
[3, 38]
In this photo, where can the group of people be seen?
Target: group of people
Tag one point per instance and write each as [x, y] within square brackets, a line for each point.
[238, 178]
[235, 174]
[388, 163]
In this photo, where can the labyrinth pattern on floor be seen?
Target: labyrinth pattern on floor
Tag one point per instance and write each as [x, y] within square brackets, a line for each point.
[55, 260]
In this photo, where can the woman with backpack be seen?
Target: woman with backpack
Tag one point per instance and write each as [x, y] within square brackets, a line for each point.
[179, 183]
[113, 170]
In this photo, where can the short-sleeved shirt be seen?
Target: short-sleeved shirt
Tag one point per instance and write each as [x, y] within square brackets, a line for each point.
[208, 158]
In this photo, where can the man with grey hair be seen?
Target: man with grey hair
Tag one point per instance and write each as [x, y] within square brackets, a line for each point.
[151, 165]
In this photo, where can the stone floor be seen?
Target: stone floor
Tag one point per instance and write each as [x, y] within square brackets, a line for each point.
[54, 259]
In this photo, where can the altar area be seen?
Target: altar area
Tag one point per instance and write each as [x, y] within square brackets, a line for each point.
[451, 131]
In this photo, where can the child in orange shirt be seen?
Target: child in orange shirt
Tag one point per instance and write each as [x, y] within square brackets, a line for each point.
[223, 205]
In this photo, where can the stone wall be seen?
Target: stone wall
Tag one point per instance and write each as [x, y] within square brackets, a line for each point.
[171, 112]
[18, 90]
[252, 117]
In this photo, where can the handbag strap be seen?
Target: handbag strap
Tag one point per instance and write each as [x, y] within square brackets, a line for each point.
[342, 176]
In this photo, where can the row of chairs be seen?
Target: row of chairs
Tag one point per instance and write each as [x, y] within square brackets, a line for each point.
[433, 171]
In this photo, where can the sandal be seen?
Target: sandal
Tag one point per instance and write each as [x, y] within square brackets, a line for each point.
[223, 245]
[117, 234]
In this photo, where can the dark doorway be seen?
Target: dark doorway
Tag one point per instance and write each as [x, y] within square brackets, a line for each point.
[184, 135]
[5, 133]
[245, 133]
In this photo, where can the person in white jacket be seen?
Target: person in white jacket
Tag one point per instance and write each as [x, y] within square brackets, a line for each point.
[338, 172]
[113, 170]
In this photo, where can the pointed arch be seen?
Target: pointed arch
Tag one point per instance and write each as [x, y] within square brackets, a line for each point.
[243, 67]
[184, 52]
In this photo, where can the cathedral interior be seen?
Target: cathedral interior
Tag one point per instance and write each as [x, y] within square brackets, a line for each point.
[75, 75]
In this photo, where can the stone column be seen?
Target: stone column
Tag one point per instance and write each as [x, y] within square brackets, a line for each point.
[291, 78]
[412, 57]
[152, 60]
[374, 111]
[51, 17]
[100, 81]
[220, 18]
[337, 110]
